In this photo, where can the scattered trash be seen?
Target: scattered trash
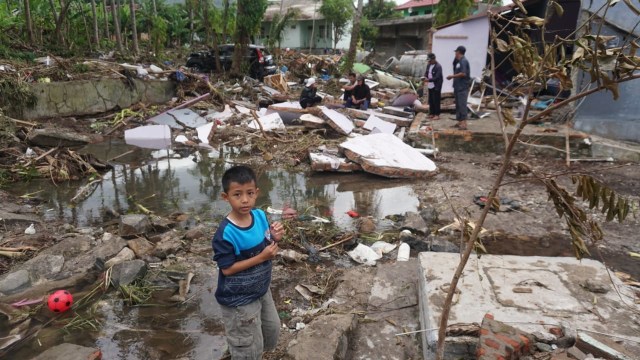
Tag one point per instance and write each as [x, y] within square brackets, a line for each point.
[293, 256]
[308, 291]
[149, 136]
[30, 230]
[506, 204]
[353, 214]
[183, 289]
[300, 326]
[404, 252]
[382, 247]
[26, 302]
[364, 255]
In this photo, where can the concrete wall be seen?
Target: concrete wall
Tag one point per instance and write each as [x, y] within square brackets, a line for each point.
[298, 35]
[87, 97]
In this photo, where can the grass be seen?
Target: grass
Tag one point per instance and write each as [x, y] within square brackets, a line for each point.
[137, 293]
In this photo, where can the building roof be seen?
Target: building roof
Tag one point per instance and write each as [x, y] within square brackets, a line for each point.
[309, 9]
[417, 4]
[426, 19]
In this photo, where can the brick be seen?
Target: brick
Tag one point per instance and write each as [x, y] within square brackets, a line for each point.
[484, 331]
[489, 316]
[556, 331]
[516, 345]
[481, 351]
[492, 343]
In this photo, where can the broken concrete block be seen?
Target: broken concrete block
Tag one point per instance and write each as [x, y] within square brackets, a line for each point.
[50, 137]
[269, 122]
[364, 115]
[575, 353]
[327, 162]
[601, 348]
[312, 121]
[338, 122]
[69, 351]
[397, 111]
[149, 136]
[289, 111]
[134, 224]
[179, 119]
[499, 340]
[127, 272]
[376, 123]
[334, 330]
[386, 155]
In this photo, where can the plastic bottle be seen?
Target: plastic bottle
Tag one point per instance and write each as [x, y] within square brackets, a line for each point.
[404, 252]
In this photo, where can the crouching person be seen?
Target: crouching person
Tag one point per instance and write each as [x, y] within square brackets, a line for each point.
[244, 246]
[361, 96]
[308, 96]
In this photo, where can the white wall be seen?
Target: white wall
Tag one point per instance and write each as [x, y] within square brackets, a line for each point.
[472, 34]
[291, 38]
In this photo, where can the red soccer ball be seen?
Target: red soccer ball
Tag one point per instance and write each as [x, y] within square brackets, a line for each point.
[60, 301]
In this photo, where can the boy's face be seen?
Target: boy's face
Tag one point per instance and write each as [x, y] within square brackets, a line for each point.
[352, 79]
[241, 197]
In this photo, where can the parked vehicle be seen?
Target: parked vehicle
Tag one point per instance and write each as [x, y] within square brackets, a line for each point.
[258, 59]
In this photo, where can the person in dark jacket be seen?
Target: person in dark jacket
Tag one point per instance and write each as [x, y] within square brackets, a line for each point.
[461, 82]
[348, 89]
[361, 96]
[433, 80]
[308, 96]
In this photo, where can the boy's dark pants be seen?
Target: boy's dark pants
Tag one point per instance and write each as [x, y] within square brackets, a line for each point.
[252, 328]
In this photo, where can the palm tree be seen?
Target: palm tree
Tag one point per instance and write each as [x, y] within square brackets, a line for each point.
[134, 27]
[116, 25]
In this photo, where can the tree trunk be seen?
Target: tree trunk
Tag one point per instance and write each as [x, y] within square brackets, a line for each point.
[191, 15]
[241, 40]
[355, 35]
[335, 38]
[86, 25]
[134, 27]
[116, 26]
[27, 19]
[313, 28]
[105, 14]
[60, 20]
[205, 21]
[225, 20]
[96, 32]
[155, 8]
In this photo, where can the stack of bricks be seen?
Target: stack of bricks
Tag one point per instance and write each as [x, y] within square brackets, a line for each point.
[499, 341]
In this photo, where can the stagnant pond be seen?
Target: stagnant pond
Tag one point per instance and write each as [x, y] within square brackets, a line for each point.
[183, 180]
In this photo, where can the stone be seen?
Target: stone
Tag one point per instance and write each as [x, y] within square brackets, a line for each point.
[386, 155]
[140, 246]
[367, 225]
[440, 244]
[127, 272]
[44, 266]
[415, 223]
[161, 224]
[429, 215]
[601, 347]
[52, 137]
[168, 244]
[125, 254]
[566, 342]
[575, 353]
[556, 331]
[595, 287]
[499, 340]
[334, 330]
[14, 282]
[196, 233]
[543, 347]
[68, 351]
[12, 219]
[134, 224]
[544, 337]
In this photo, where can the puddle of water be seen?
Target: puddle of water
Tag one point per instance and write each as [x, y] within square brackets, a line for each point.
[166, 181]
[178, 180]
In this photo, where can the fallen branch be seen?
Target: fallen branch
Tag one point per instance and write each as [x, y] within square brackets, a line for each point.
[21, 248]
[350, 237]
[84, 191]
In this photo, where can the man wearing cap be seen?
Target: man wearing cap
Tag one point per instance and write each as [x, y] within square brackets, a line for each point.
[308, 96]
[461, 80]
[433, 79]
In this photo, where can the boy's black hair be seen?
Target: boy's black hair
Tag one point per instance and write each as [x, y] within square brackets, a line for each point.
[238, 174]
[352, 74]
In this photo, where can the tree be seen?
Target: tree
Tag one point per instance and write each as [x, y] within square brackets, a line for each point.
[116, 25]
[452, 10]
[381, 9]
[96, 31]
[27, 19]
[248, 19]
[106, 19]
[338, 12]
[134, 27]
[279, 24]
[536, 64]
[355, 36]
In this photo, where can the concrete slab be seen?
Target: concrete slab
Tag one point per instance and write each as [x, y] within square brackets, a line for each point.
[364, 115]
[311, 121]
[494, 284]
[386, 155]
[179, 119]
[338, 122]
[269, 122]
[332, 163]
[376, 123]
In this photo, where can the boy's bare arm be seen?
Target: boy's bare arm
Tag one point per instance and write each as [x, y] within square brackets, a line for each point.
[268, 253]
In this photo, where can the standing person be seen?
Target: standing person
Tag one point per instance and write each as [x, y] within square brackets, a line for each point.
[461, 82]
[348, 89]
[308, 96]
[243, 246]
[433, 78]
[361, 97]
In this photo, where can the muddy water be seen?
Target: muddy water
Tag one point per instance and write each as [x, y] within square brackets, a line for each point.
[168, 181]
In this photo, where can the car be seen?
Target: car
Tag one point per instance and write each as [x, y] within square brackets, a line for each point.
[258, 58]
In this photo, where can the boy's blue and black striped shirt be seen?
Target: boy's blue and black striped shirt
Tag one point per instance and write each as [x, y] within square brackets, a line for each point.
[232, 243]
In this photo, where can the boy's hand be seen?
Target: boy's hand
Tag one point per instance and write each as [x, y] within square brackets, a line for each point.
[277, 231]
[270, 251]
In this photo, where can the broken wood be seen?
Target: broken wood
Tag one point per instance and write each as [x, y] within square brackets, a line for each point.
[350, 237]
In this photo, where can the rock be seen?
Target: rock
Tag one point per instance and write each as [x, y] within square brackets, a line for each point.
[334, 330]
[69, 352]
[544, 337]
[134, 224]
[429, 215]
[294, 321]
[566, 342]
[140, 247]
[595, 286]
[68, 228]
[11, 219]
[127, 272]
[125, 254]
[556, 331]
[14, 281]
[544, 347]
[367, 225]
[439, 244]
[52, 137]
[195, 233]
[45, 266]
[415, 223]
[575, 353]
[161, 223]
[169, 243]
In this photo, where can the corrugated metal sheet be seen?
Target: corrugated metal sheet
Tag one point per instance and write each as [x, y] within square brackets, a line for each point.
[618, 15]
